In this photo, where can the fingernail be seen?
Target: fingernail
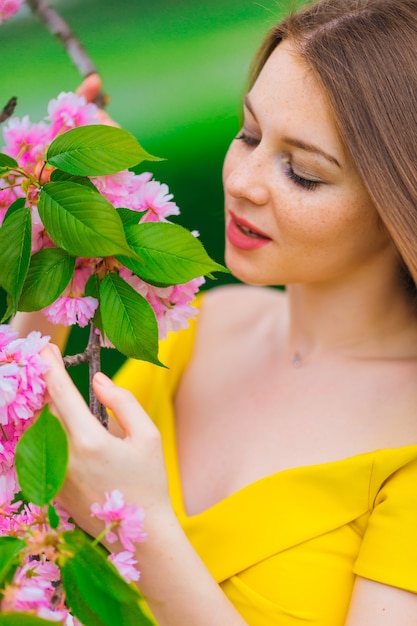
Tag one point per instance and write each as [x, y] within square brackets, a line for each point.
[103, 380]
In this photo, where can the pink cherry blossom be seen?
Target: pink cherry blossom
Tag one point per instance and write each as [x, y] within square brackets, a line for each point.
[155, 199]
[125, 564]
[26, 142]
[8, 8]
[180, 309]
[64, 517]
[172, 305]
[69, 111]
[21, 382]
[126, 519]
[8, 490]
[123, 189]
[32, 589]
[40, 238]
[83, 270]
[7, 450]
[9, 384]
[7, 334]
[69, 311]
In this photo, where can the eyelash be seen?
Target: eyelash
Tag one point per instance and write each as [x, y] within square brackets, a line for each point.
[306, 183]
[250, 141]
[288, 171]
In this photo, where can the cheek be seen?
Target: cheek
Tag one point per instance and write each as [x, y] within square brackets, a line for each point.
[304, 215]
[322, 219]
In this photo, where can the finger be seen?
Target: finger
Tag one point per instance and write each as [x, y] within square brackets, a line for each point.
[131, 416]
[105, 119]
[90, 88]
[67, 401]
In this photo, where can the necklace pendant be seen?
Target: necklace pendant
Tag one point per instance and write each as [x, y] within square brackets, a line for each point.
[296, 360]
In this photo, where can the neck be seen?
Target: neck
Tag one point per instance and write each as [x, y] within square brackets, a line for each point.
[368, 319]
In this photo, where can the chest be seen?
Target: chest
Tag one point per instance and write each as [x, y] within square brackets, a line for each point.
[240, 419]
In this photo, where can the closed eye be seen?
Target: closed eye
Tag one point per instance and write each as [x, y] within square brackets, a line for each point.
[306, 183]
[247, 139]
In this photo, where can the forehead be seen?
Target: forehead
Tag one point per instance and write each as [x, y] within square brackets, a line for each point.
[287, 98]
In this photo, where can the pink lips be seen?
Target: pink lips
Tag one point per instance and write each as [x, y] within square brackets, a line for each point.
[243, 235]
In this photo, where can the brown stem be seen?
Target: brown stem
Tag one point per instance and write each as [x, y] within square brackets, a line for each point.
[8, 110]
[60, 29]
[94, 349]
[91, 355]
[76, 359]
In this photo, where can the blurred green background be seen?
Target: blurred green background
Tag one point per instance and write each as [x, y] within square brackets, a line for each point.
[175, 73]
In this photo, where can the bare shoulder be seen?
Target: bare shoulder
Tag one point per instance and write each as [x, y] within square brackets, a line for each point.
[230, 310]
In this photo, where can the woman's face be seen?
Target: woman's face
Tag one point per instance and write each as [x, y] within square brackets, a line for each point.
[296, 209]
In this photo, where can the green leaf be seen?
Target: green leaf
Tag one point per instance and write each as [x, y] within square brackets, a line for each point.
[128, 320]
[128, 216]
[81, 221]
[95, 592]
[49, 273]
[4, 306]
[96, 150]
[8, 162]
[53, 516]
[171, 254]
[9, 550]
[15, 248]
[23, 619]
[60, 176]
[17, 204]
[42, 459]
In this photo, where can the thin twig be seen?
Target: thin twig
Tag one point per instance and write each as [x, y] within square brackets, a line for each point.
[60, 29]
[76, 359]
[8, 110]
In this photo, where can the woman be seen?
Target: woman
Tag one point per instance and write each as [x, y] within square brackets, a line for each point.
[287, 421]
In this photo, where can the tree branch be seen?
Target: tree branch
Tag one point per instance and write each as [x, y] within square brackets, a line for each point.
[8, 110]
[76, 359]
[60, 29]
[91, 355]
[94, 366]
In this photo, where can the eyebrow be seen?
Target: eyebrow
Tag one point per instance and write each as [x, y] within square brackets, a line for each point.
[308, 147]
[297, 143]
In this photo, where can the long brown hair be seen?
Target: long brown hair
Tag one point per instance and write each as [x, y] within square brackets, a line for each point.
[364, 55]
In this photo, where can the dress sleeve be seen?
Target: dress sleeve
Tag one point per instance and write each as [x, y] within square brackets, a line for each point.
[388, 552]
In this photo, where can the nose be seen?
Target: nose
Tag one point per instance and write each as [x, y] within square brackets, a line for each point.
[246, 176]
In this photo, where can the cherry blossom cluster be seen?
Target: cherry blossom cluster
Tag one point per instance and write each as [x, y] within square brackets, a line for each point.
[28, 142]
[22, 391]
[124, 522]
[36, 586]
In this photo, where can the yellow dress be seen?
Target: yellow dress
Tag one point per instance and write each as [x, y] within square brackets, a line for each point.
[286, 548]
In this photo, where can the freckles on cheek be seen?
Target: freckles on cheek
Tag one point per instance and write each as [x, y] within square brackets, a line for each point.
[315, 225]
[304, 219]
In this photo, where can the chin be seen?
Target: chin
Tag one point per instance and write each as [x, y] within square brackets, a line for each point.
[246, 272]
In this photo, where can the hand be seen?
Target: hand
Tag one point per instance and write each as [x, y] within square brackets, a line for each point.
[99, 461]
[91, 89]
